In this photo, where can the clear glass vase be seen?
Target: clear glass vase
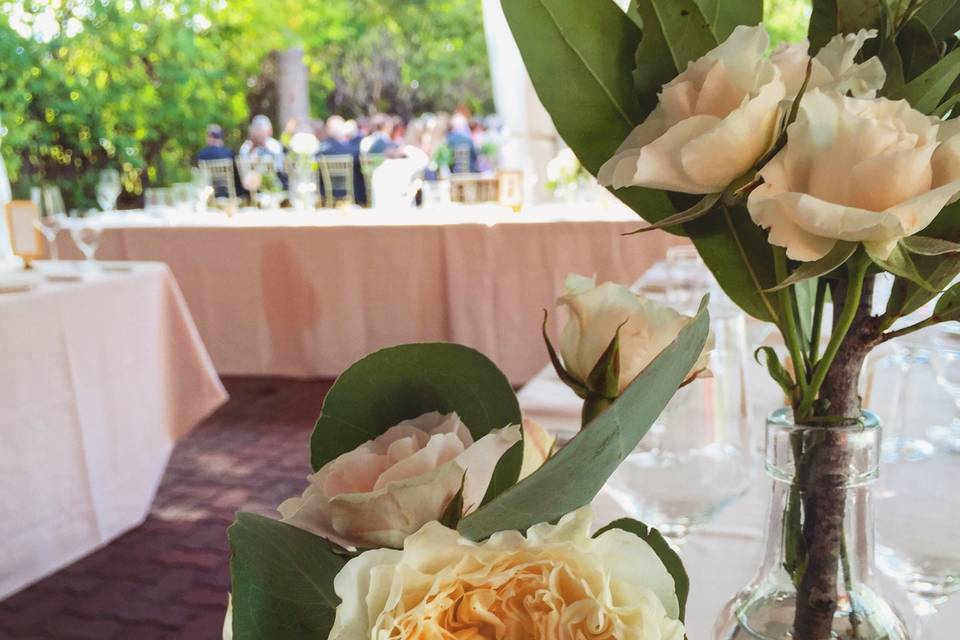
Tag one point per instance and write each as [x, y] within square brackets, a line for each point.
[797, 459]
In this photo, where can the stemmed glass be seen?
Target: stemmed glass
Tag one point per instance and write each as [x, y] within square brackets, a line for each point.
[945, 358]
[86, 232]
[51, 217]
[696, 459]
[916, 521]
[108, 189]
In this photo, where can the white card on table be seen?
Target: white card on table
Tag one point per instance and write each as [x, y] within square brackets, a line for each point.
[25, 240]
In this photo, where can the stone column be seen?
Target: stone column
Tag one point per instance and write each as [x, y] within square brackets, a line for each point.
[293, 94]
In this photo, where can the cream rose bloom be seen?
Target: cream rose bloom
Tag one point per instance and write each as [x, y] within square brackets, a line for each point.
[557, 583]
[870, 171]
[304, 143]
[596, 311]
[834, 68]
[713, 122]
[387, 488]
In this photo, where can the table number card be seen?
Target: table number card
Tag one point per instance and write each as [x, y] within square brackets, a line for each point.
[510, 189]
[25, 239]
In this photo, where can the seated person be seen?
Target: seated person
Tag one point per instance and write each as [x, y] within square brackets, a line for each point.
[380, 139]
[341, 142]
[216, 150]
[459, 138]
[261, 143]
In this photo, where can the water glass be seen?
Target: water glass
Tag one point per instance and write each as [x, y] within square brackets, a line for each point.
[108, 189]
[86, 232]
[945, 358]
[688, 278]
[696, 459]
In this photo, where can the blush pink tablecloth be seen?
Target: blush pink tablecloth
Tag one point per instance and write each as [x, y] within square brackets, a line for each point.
[308, 294]
[98, 379]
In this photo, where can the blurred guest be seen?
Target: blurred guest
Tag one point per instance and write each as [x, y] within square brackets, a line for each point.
[215, 149]
[261, 143]
[462, 146]
[320, 130]
[379, 140]
[341, 141]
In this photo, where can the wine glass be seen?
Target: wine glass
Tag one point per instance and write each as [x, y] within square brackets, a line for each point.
[945, 358]
[108, 189]
[51, 218]
[696, 459]
[916, 523]
[687, 278]
[86, 232]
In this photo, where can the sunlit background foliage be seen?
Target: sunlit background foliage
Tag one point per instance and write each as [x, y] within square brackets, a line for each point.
[132, 84]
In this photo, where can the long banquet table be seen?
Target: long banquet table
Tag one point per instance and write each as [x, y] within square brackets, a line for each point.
[98, 378]
[305, 294]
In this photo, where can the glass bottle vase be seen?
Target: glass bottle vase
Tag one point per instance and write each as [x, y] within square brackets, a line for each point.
[766, 609]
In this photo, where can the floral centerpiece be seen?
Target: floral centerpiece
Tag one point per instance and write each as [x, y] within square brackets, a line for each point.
[436, 511]
[799, 174]
[565, 174]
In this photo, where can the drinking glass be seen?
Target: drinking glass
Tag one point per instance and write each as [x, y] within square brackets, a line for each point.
[51, 217]
[916, 522]
[688, 278]
[696, 459]
[86, 232]
[945, 358]
[108, 189]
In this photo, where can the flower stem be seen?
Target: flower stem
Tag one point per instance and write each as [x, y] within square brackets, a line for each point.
[857, 272]
[817, 327]
[791, 333]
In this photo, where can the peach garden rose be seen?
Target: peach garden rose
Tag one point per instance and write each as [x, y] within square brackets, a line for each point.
[555, 583]
[387, 488]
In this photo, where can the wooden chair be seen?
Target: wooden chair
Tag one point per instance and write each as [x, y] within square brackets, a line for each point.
[368, 164]
[219, 175]
[337, 174]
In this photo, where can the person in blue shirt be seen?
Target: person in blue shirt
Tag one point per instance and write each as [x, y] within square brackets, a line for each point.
[215, 149]
[339, 142]
[459, 137]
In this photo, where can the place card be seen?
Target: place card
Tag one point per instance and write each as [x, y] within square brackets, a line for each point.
[510, 189]
[25, 240]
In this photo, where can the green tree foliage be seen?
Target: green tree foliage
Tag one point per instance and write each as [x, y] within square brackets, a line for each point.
[132, 84]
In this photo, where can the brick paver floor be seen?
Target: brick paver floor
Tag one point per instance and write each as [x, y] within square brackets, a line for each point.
[169, 577]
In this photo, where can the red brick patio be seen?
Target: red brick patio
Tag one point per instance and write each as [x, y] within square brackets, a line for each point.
[169, 577]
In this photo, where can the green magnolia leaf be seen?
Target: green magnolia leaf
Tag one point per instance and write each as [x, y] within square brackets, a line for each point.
[697, 211]
[899, 263]
[737, 253]
[634, 13]
[574, 475]
[723, 16]
[830, 17]
[654, 66]
[664, 551]
[906, 297]
[925, 246]
[595, 107]
[918, 49]
[282, 580]
[942, 17]
[840, 253]
[403, 382]
[925, 92]
[682, 27]
[948, 306]
[776, 369]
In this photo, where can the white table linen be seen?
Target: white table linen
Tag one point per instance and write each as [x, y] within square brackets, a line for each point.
[306, 294]
[722, 556]
[98, 379]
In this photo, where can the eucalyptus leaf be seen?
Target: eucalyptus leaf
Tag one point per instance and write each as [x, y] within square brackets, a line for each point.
[925, 92]
[282, 580]
[723, 16]
[947, 308]
[573, 476]
[836, 257]
[925, 246]
[664, 551]
[404, 382]
[899, 263]
[704, 206]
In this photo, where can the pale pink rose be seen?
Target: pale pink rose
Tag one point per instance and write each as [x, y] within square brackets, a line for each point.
[251, 181]
[389, 487]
